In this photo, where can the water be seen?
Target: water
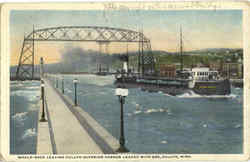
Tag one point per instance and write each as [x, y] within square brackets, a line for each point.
[154, 122]
[24, 97]
[160, 123]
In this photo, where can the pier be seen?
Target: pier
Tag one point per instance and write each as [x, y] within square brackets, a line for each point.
[68, 129]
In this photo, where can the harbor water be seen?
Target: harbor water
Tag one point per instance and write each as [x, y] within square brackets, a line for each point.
[154, 122]
[160, 123]
[24, 106]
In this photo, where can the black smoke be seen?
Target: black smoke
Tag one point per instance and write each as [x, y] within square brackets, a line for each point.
[76, 59]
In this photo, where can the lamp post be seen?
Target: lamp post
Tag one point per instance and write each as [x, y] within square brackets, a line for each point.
[62, 85]
[54, 78]
[122, 93]
[43, 100]
[75, 81]
[56, 82]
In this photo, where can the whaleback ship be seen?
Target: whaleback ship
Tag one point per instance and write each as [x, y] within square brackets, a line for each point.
[200, 80]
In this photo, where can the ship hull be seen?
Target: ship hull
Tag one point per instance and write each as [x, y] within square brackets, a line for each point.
[220, 87]
[176, 87]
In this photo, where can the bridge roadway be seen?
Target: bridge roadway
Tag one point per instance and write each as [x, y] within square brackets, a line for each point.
[69, 129]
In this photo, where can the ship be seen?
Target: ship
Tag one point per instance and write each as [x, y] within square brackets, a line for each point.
[200, 80]
[102, 71]
[178, 86]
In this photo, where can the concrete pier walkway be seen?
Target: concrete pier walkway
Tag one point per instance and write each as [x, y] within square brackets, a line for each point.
[43, 137]
[69, 129]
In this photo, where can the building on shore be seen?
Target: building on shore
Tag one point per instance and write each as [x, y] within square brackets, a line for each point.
[232, 70]
[228, 69]
[215, 66]
[167, 70]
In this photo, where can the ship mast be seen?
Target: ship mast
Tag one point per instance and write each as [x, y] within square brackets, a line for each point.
[127, 57]
[181, 50]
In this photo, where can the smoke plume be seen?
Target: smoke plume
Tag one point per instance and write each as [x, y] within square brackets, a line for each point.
[76, 59]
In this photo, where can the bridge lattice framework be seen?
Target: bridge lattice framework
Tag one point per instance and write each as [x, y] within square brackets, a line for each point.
[98, 34]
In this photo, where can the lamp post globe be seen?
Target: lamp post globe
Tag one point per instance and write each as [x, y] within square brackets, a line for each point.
[75, 80]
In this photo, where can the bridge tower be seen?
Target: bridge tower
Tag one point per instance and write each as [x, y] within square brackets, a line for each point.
[25, 69]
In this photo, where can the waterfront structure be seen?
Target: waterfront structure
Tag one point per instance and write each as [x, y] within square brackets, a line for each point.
[168, 71]
[232, 70]
[215, 66]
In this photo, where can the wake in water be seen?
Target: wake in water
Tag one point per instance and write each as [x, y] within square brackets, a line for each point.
[192, 94]
[164, 142]
[238, 126]
[29, 133]
[33, 87]
[151, 110]
[16, 85]
[34, 107]
[28, 94]
[20, 117]
[67, 90]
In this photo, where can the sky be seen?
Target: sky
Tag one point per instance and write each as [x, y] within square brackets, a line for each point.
[201, 29]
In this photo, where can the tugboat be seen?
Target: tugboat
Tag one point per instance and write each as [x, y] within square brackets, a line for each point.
[201, 80]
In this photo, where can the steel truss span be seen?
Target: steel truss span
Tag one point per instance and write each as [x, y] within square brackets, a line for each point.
[98, 34]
